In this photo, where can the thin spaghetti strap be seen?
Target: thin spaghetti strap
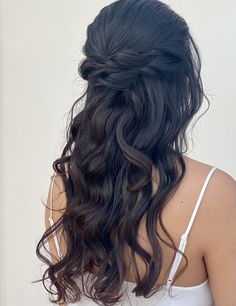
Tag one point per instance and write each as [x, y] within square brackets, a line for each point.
[51, 190]
[50, 219]
[199, 200]
[183, 241]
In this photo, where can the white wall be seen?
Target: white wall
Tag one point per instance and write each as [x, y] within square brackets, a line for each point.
[40, 49]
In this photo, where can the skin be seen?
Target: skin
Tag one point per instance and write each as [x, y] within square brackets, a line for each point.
[211, 247]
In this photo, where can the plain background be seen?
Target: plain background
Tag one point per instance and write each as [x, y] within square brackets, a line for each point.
[41, 45]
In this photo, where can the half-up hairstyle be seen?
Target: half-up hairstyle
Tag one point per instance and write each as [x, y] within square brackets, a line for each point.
[144, 87]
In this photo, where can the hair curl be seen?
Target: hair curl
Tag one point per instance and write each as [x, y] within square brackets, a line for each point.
[144, 87]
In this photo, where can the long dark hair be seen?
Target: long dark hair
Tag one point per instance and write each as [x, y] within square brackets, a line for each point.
[144, 87]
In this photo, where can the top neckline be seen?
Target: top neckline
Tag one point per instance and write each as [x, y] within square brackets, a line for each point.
[132, 284]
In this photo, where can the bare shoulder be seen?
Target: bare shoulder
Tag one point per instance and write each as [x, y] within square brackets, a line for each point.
[220, 179]
[221, 189]
[219, 200]
[218, 233]
[219, 208]
[220, 238]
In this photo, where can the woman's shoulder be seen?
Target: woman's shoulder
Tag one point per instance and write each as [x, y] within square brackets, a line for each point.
[219, 198]
[217, 232]
[218, 203]
[218, 208]
[221, 180]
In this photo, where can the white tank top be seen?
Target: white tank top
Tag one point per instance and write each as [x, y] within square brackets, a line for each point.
[199, 295]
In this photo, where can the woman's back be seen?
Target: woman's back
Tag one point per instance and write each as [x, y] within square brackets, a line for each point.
[176, 216]
[187, 210]
[193, 286]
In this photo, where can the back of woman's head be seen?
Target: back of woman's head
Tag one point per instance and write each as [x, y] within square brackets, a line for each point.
[144, 88]
[142, 65]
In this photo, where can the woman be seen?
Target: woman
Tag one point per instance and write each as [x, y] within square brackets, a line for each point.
[130, 219]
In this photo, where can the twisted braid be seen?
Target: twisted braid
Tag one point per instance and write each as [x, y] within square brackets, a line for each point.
[121, 69]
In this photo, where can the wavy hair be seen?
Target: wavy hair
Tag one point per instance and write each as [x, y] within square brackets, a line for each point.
[144, 87]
